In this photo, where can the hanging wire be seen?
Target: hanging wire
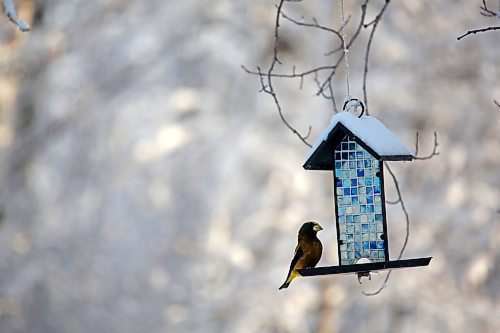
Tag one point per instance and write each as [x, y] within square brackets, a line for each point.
[346, 52]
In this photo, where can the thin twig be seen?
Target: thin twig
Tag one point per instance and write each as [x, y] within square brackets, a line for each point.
[330, 88]
[349, 43]
[315, 24]
[434, 149]
[325, 84]
[341, 47]
[473, 32]
[416, 144]
[269, 89]
[374, 25]
[331, 69]
[293, 75]
[496, 103]
[392, 202]
[485, 11]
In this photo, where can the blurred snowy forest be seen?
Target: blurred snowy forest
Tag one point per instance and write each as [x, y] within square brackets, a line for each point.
[146, 185]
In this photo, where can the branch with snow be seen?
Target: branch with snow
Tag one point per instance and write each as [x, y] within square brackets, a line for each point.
[10, 11]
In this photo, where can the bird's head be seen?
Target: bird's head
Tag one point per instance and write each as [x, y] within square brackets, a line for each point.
[310, 228]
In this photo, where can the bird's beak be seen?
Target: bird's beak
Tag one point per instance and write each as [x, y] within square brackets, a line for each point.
[317, 227]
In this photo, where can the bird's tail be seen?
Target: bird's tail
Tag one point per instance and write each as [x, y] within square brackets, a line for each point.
[289, 279]
[284, 285]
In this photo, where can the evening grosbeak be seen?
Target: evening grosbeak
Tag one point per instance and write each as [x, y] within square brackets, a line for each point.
[307, 253]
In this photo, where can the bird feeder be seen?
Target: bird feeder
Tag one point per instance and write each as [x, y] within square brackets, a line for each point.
[354, 148]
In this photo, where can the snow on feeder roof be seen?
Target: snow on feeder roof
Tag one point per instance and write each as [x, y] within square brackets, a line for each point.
[368, 131]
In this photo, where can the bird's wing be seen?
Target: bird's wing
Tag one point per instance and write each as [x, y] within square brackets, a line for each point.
[298, 253]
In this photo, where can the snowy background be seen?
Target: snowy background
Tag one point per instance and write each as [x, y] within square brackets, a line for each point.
[146, 185]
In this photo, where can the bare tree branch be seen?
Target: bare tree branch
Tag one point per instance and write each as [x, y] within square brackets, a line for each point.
[374, 25]
[268, 88]
[473, 32]
[392, 202]
[325, 84]
[294, 74]
[348, 45]
[485, 11]
[434, 149]
[315, 24]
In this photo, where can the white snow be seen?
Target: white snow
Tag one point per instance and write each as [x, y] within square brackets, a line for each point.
[370, 130]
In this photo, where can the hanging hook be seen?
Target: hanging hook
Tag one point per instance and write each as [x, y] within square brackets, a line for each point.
[358, 103]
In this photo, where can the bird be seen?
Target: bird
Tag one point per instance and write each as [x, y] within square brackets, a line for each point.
[307, 252]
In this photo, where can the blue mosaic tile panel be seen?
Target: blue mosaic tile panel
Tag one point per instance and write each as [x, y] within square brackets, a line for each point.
[359, 203]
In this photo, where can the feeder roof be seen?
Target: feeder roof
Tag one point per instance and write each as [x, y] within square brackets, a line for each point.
[374, 136]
